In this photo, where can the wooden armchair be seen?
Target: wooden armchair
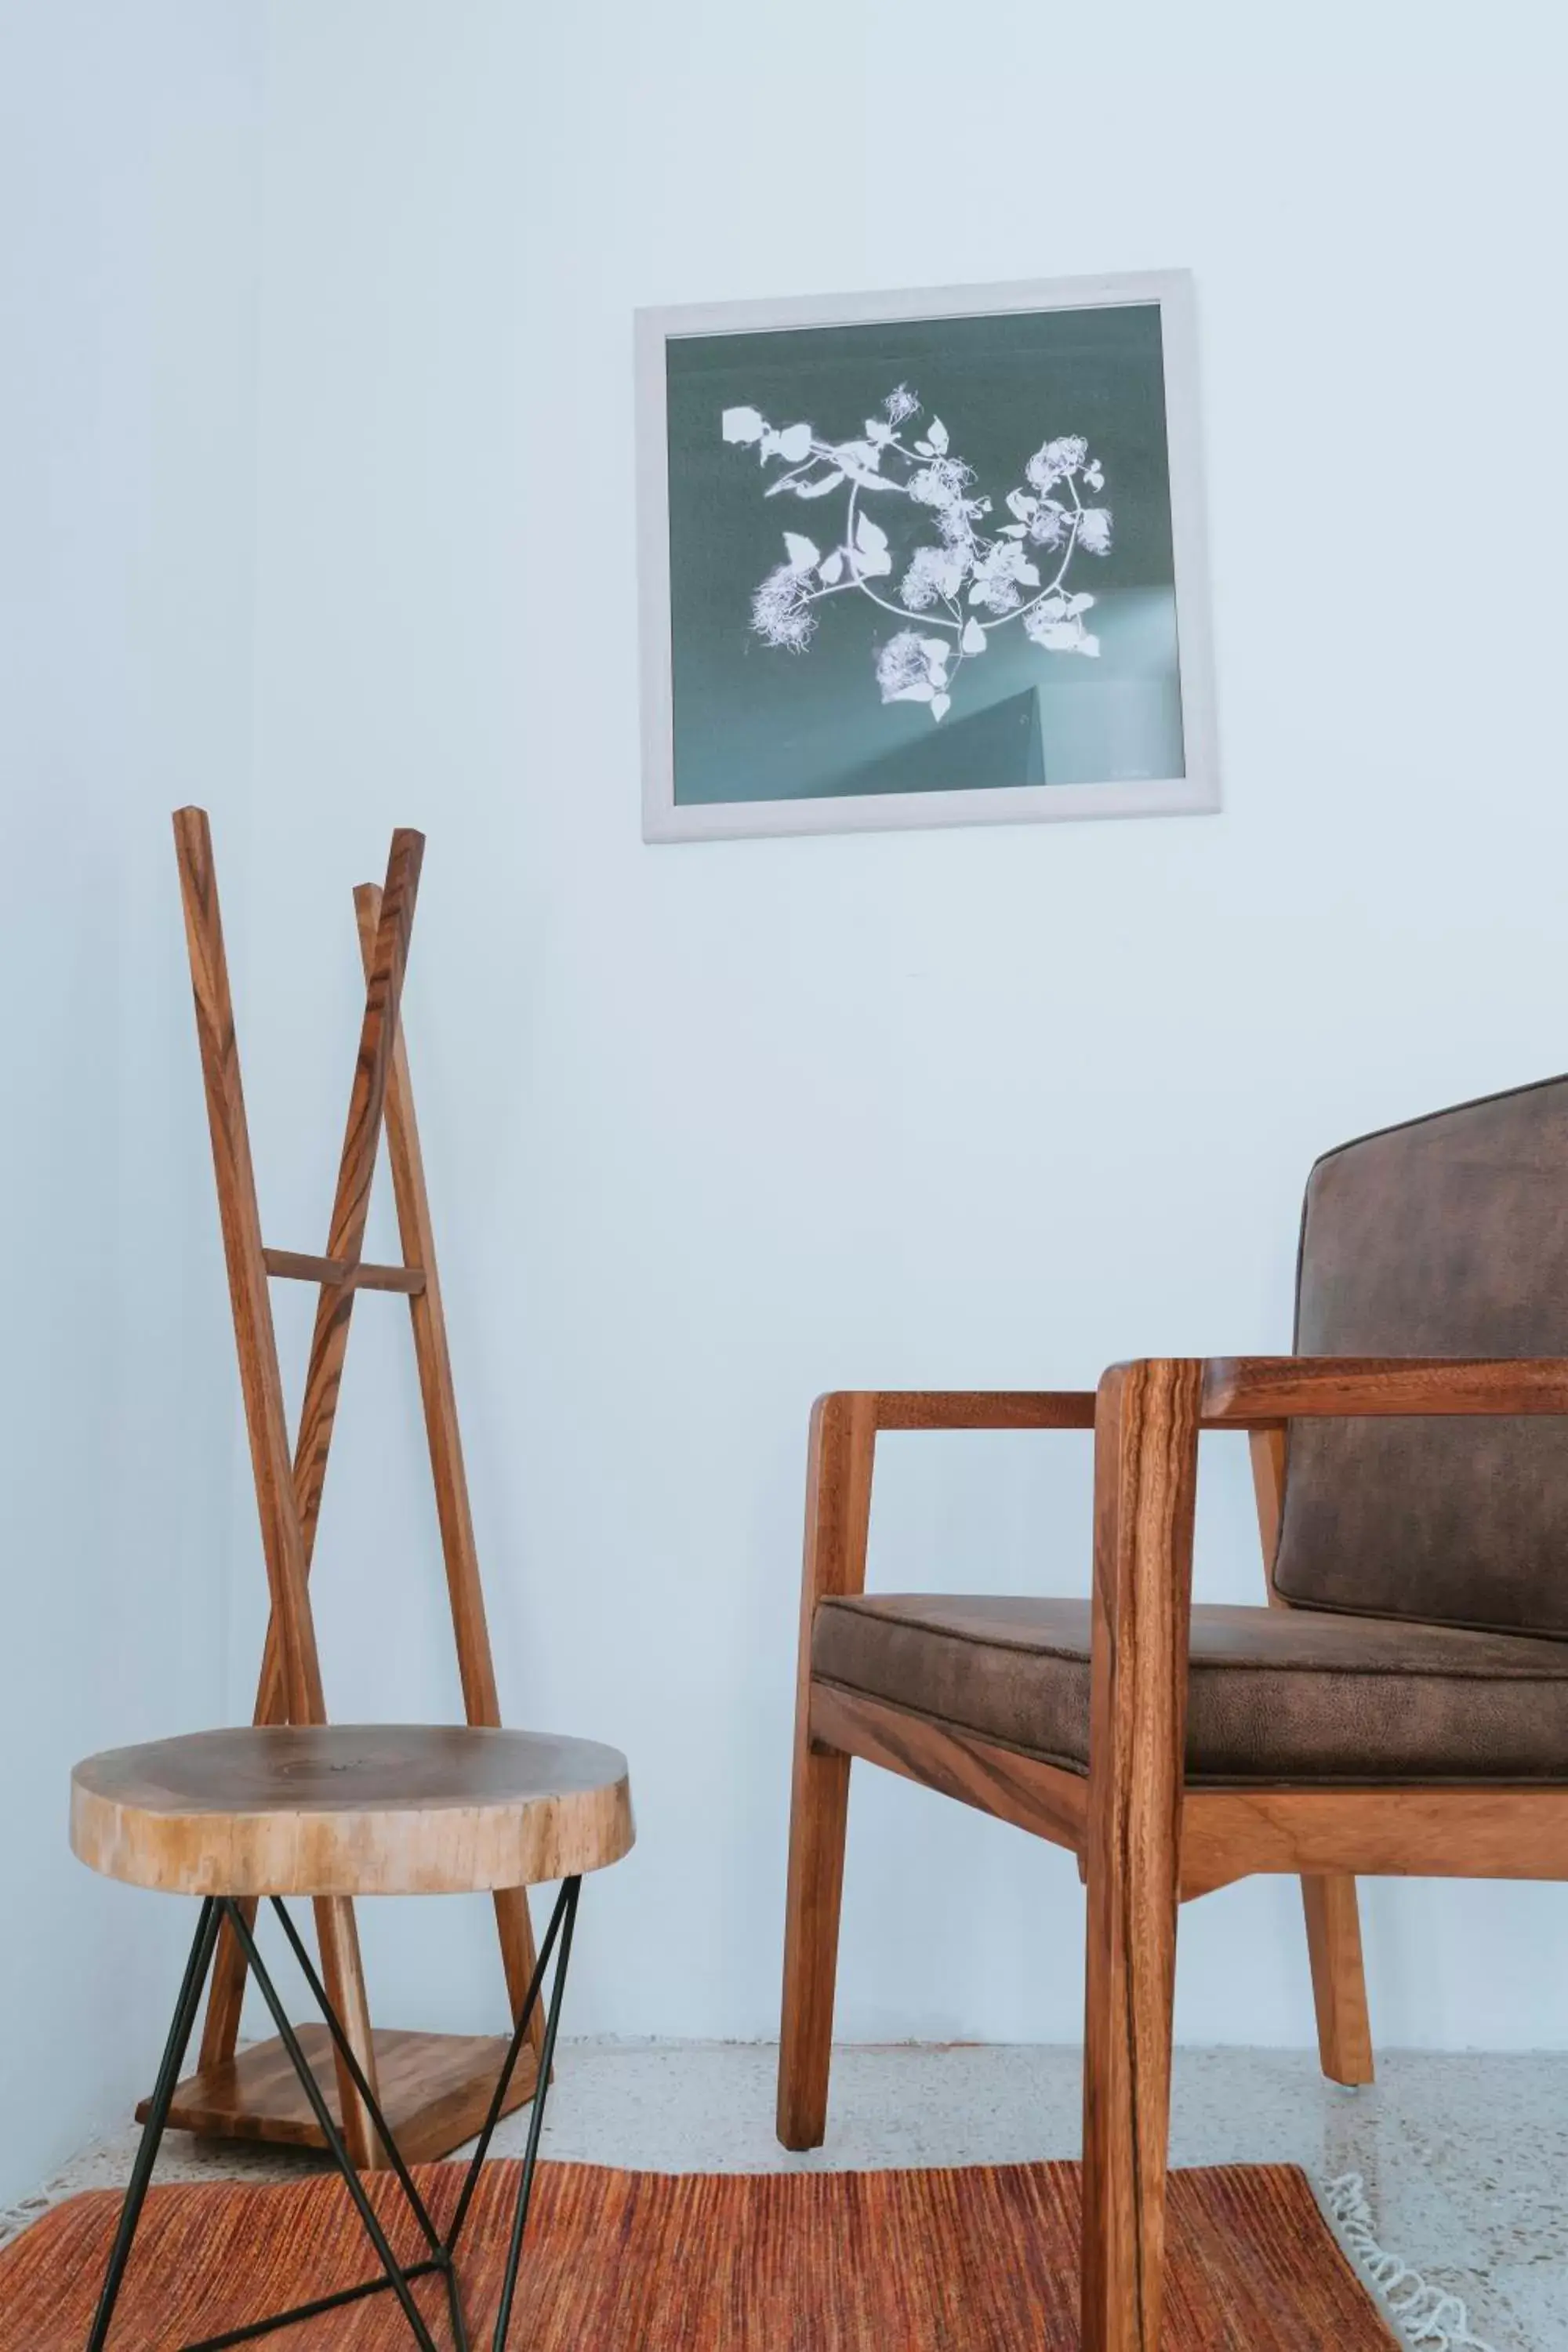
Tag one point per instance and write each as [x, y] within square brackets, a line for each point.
[1401, 1708]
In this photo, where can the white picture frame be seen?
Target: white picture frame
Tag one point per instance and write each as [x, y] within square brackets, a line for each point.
[668, 817]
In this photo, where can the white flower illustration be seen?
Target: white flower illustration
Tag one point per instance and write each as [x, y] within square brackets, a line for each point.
[1057, 624]
[781, 610]
[912, 668]
[1048, 524]
[933, 571]
[1056, 460]
[941, 483]
[972, 570]
[1002, 575]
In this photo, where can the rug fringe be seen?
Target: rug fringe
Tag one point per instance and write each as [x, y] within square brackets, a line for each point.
[16, 2218]
[1422, 2315]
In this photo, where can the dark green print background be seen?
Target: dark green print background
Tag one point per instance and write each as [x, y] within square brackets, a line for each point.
[758, 722]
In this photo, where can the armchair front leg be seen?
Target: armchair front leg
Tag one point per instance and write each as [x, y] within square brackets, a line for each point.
[1145, 1471]
[837, 1528]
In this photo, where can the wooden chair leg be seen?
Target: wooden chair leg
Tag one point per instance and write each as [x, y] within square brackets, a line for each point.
[837, 1524]
[1339, 1980]
[819, 1814]
[1333, 1918]
[1145, 1484]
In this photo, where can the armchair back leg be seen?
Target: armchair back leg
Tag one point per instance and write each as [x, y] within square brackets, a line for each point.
[1146, 1437]
[1333, 1913]
[1339, 1980]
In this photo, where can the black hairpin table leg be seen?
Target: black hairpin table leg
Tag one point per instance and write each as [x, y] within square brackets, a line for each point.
[157, 2117]
[535, 2125]
[564, 1914]
[333, 2137]
[394, 2275]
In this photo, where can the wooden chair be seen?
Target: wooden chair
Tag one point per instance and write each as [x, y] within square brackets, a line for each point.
[1399, 1708]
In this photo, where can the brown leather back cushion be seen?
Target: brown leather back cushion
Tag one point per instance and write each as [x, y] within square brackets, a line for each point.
[1447, 1237]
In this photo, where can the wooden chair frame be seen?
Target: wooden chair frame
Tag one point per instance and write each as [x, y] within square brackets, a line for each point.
[444, 2081]
[1145, 1843]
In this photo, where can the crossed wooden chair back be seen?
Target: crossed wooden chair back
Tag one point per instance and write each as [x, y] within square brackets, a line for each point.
[289, 1479]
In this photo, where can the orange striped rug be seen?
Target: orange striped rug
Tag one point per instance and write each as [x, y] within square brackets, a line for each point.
[984, 2259]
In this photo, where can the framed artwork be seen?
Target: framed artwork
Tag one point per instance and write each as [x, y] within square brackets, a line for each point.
[923, 558]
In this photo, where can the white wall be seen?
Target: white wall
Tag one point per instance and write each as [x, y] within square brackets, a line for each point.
[714, 1127]
[129, 148]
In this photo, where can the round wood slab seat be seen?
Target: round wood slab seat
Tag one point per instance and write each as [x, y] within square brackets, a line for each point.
[351, 1809]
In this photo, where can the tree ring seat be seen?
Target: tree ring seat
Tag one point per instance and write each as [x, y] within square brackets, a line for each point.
[349, 1810]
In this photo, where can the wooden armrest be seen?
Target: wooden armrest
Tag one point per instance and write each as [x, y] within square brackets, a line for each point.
[1250, 1391]
[974, 1408]
[844, 1426]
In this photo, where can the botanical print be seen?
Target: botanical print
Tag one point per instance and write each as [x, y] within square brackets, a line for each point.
[974, 577]
[918, 561]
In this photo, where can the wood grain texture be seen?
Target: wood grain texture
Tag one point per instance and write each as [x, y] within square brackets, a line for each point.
[296, 1665]
[842, 1449]
[1329, 1904]
[351, 1809]
[435, 2090]
[1239, 1390]
[299, 1665]
[982, 1408]
[1268, 1450]
[296, 1265]
[1040, 1798]
[323, 1379]
[342, 1974]
[1375, 1832]
[356, 1171]
[438, 1395]
[345, 1238]
[1146, 1444]
[379, 1031]
[1332, 1914]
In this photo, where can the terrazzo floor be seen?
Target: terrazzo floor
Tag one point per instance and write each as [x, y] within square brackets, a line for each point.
[1464, 2159]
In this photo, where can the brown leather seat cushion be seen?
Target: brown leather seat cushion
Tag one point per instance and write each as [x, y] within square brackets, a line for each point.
[1274, 1695]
